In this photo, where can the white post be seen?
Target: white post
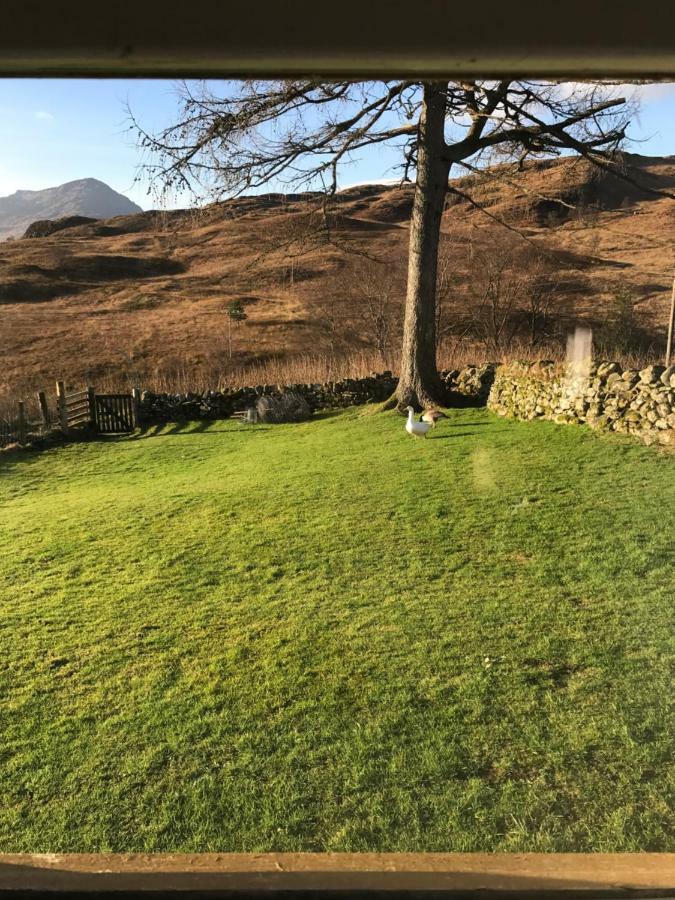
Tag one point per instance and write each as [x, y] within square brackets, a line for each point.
[669, 344]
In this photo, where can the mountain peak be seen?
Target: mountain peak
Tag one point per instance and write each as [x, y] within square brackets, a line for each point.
[88, 197]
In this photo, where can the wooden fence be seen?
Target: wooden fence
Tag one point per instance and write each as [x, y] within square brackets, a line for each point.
[74, 411]
[114, 413]
[14, 428]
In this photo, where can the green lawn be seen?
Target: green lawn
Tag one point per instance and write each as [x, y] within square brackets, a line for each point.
[331, 636]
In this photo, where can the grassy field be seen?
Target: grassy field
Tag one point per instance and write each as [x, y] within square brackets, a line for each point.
[330, 636]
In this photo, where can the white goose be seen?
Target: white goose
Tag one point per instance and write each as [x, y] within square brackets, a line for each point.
[416, 429]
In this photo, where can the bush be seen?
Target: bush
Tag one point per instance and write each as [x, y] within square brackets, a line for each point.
[287, 407]
[621, 332]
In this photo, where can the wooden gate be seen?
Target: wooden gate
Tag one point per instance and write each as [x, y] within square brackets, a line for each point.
[114, 413]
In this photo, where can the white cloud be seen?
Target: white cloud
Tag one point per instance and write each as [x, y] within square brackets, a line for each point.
[44, 116]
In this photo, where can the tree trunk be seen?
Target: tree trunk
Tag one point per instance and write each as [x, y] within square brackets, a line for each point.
[419, 384]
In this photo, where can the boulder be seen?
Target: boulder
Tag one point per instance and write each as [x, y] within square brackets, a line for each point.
[289, 406]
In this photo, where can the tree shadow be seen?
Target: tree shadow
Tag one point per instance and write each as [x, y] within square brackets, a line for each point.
[322, 414]
[448, 437]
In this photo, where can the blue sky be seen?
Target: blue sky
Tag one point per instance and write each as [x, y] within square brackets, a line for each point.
[60, 130]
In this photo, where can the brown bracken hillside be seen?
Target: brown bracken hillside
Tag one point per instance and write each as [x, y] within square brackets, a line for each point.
[146, 295]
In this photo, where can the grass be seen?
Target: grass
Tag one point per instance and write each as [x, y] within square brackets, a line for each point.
[330, 636]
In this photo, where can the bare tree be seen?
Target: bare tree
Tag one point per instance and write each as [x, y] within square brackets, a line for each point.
[382, 306]
[495, 288]
[511, 286]
[374, 290]
[542, 291]
[445, 281]
[262, 132]
[493, 316]
[334, 330]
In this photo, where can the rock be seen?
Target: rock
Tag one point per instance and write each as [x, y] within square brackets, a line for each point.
[47, 227]
[651, 373]
[289, 406]
[623, 387]
[608, 368]
[658, 396]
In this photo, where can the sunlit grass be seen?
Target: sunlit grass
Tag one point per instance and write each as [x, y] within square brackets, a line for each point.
[330, 636]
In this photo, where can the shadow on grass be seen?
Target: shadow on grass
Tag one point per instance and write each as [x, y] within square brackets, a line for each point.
[189, 428]
[322, 414]
[193, 427]
[16, 457]
[470, 424]
[447, 437]
[199, 426]
[165, 429]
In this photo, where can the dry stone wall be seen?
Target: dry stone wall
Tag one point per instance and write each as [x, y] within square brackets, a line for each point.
[164, 407]
[469, 386]
[639, 403]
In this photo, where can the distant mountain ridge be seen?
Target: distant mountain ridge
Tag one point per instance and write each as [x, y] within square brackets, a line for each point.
[84, 197]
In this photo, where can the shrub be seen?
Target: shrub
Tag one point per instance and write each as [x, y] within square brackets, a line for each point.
[621, 333]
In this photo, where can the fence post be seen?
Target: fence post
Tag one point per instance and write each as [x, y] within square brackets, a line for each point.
[136, 404]
[61, 405]
[44, 409]
[671, 323]
[21, 424]
[91, 396]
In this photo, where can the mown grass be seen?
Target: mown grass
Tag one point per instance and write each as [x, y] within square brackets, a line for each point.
[329, 636]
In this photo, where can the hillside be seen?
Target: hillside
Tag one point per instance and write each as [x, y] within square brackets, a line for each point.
[146, 295]
[85, 197]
